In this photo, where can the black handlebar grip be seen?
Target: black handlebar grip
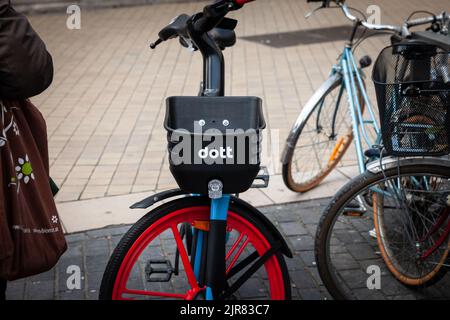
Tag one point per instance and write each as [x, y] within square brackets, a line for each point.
[211, 16]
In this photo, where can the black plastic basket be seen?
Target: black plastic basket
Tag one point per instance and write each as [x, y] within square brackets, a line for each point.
[214, 138]
[412, 83]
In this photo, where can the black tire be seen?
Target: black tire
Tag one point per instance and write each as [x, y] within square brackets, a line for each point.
[112, 268]
[341, 145]
[334, 209]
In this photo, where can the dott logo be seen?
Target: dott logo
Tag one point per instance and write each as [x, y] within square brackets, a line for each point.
[223, 153]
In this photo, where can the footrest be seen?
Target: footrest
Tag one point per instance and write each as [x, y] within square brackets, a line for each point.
[354, 209]
[158, 270]
[262, 179]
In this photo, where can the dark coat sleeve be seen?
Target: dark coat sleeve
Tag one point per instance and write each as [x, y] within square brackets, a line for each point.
[26, 68]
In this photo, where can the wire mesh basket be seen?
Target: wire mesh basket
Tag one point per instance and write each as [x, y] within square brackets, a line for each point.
[412, 83]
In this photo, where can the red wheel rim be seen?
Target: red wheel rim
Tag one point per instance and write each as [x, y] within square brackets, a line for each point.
[248, 232]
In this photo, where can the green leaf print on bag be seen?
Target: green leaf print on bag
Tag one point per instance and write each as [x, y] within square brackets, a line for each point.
[24, 170]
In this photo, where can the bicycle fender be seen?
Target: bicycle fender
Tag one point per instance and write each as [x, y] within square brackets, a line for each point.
[390, 162]
[333, 81]
[148, 202]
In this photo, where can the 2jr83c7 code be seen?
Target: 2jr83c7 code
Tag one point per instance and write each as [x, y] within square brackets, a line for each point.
[227, 310]
[245, 309]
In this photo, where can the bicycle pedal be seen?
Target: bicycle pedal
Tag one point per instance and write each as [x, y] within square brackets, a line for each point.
[161, 268]
[353, 209]
[352, 213]
[262, 179]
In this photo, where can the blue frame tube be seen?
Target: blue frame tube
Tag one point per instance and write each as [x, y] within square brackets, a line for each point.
[356, 100]
[359, 152]
[374, 121]
[219, 208]
[198, 253]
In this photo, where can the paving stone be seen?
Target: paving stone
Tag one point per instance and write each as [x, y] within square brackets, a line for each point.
[75, 237]
[39, 290]
[71, 295]
[315, 275]
[248, 291]
[45, 276]
[361, 251]
[403, 297]
[312, 229]
[94, 280]
[310, 217]
[292, 228]
[98, 264]
[15, 290]
[344, 261]
[302, 279]
[97, 247]
[295, 263]
[308, 258]
[74, 249]
[302, 243]
[355, 278]
[391, 287]
[107, 232]
[310, 294]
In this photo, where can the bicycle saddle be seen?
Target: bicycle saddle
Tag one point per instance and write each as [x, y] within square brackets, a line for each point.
[223, 37]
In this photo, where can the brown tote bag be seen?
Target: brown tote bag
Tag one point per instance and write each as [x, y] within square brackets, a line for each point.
[31, 237]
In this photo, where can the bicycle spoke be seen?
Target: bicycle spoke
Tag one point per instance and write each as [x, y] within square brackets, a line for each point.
[237, 255]
[235, 245]
[184, 258]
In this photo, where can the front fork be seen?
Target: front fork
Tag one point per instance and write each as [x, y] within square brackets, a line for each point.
[209, 245]
[215, 264]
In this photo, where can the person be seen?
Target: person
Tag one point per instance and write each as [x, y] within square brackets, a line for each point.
[2, 289]
[26, 69]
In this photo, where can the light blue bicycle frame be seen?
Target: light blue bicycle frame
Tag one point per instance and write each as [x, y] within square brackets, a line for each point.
[352, 82]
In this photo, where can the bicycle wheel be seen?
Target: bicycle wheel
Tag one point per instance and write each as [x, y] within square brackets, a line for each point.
[323, 137]
[151, 245]
[410, 213]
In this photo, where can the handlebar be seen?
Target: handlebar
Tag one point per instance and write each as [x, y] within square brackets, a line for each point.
[201, 22]
[403, 29]
[367, 25]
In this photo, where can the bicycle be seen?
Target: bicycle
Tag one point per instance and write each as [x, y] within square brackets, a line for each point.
[226, 247]
[325, 128]
[405, 191]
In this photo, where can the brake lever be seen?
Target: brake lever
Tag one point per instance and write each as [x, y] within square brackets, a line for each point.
[309, 14]
[154, 44]
[188, 44]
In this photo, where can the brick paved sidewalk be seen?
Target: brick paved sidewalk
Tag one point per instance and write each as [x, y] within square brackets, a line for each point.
[297, 222]
[105, 107]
